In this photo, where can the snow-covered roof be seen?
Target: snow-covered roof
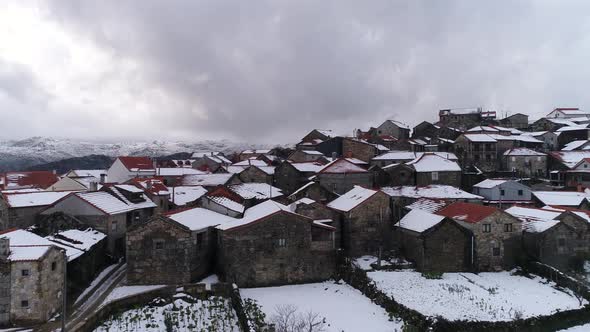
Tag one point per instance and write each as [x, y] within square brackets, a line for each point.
[399, 124]
[563, 198]
[201, 154]
[105, 202]
[256, 151]
[256, 213]
[483, 128]
[573, 128]
[198, 218]
[351, 199]
[312, 152]
[433, 163]
[325, 132]
[26, 246]
[419, 221]
[574, 145]
[427, 204]
[251, 162]
[534, 133]
[129, 188]
[534, 220]
[492, 183]
[256, 190]
[87, 172]
[342, 166]
[410, 155]
[76, 242]
[177, 171]
[305, 186]
[480, 138]
[206, 179]
[220, 159]
[311, 167]
[523, 152]
[293, 206]
[431, 191]
[227, 203]
[270, 170]
[31, 199]
[185, 194]
[570, 158]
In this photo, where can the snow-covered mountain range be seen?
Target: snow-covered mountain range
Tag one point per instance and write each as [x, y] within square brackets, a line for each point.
[21, 154]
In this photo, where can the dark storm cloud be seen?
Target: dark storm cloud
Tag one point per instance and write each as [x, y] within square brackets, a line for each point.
[267, 70]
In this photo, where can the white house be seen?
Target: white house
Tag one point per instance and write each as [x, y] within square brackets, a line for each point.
[126, 168]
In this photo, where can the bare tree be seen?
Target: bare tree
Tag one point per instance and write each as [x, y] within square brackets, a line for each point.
[288, 319]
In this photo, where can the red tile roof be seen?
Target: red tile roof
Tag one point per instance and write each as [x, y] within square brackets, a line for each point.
[468, 212]
[157, 185]
[32, 179]
[137, 163]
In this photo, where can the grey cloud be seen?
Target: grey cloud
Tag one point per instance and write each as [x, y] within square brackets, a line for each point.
[271, 70]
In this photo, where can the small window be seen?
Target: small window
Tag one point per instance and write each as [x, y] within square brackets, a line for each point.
[513, 158]
[538, 158]
[113, 226]
[158, 244]
[507, 227]
[25, 273]
[502, 192]
[488, 157]
[487, 228]
[561, 242]
[24, 304]
[496, 251]
[53, 266]
[520, 192]
[434, 176]
[282, 242]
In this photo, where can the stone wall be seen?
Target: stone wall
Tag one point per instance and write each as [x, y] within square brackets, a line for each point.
[253, 255]
[355, 149]
[446, 178]
[529, 166]
[254, 174]
[5, 291]
[18, 217]
[288, 179]
[340, 183]
[545, 246]
[367, 227]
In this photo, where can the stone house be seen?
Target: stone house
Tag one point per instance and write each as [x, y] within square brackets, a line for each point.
[425, 129]
[291, 176]
[253, 193]
[342, 175]
[155, 189]
[400, 156]
[306, 156]
[548, 138]
[572, 133]
[363, 221]
[185, 196]
[434, 243]
[175, 248]
[124, 169]
[331, 147]
[479, 150]
[209, 181]
[106, 212]
[314, 210]
[21, 209]
[34, 268]
[314, 138]
[503, 192]
[360, 149]
[253, 154]
[401, 174]
[211, 163]
[518, 121]
[497, 234]
[273, 246]
[526, 162]
[430, 168]
[551, 124]
[394, 128]
[223, 201]
[464, 118]
[546, 238]
[261, 174]
[315, 191]
[27, 180]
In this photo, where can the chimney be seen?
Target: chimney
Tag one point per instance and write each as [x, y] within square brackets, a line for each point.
[4, 248]
[93, 186]
[103, 178]
[334, 155]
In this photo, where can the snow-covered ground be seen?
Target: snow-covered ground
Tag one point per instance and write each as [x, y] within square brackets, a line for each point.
[581, 328]
[96, 281]
[125, 291]
[365, 262]
[343, 307]
[184, 314]
[478, 297]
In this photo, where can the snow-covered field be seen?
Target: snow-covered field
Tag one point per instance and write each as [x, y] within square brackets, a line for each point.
[581, 328]
[343, 307]
[125, 291]
[184, 314]
[478, 297]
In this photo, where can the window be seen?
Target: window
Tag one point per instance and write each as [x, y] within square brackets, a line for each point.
[434, 176]
[496, 251]
[199, 240]
[113, 226]
[520, 192]
[513, 158]
[507, 227]
[53, 266]
[25, 273]
[282, 242]
[487, 228]
[24, 303]
[502, 192]
[488, 157]
[538, 158]
[159, 244]
[561, 242]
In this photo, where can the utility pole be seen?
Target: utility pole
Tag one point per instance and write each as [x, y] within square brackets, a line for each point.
[64, 293]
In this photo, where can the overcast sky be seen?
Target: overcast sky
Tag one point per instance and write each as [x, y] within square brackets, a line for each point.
[269, 71]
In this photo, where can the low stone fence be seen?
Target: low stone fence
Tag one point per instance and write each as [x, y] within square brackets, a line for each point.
[199, 291]
[415, 321]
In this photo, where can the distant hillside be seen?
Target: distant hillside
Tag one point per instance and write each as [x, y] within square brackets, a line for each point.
[87, 162]
[41, 152]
